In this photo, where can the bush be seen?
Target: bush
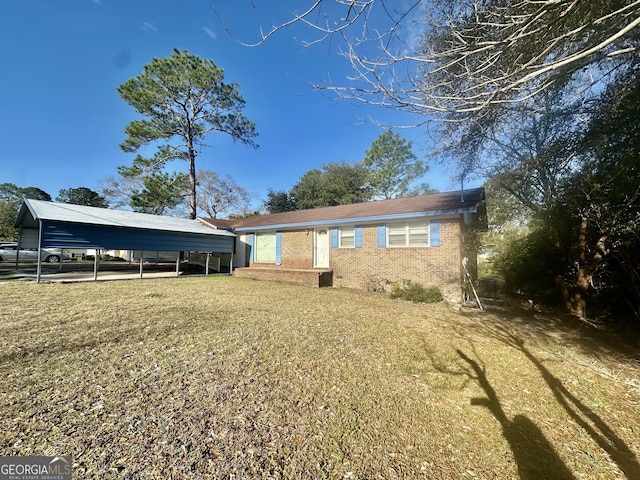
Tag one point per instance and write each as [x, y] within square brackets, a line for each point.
[418, 294]
[377, 284]
[529, 266]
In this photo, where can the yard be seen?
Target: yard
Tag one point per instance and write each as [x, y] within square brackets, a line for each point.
[219, 377]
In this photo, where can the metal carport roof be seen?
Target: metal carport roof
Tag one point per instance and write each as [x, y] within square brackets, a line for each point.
[64, 225]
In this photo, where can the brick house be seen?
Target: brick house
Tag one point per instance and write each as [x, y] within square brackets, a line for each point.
[420, 238]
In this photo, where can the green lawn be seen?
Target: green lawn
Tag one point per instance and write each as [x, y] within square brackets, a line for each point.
[218, 377]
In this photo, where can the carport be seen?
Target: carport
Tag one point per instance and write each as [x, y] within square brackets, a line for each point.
[60, 225]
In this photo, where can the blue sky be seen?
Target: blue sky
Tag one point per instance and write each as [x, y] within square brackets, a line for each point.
[62, 120]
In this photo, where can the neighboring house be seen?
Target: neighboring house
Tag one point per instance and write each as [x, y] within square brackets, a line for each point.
[416, 238]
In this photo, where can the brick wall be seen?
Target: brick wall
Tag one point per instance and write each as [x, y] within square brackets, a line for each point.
[312, 278]
[297, 249]
[356, 267]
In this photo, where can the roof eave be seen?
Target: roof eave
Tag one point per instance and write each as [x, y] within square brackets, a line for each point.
[377, 218]
[26, 205]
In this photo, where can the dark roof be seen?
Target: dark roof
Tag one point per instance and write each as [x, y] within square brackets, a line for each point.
[465, 201]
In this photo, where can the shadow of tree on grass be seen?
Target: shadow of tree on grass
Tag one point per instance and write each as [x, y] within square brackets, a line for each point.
[534, 454]
[590, 422]
[591, 337]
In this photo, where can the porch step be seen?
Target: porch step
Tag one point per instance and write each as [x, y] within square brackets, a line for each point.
[312, 278]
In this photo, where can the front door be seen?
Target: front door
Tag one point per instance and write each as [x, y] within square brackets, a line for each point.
[321, 248]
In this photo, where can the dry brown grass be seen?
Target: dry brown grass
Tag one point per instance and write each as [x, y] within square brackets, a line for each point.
[228, 378]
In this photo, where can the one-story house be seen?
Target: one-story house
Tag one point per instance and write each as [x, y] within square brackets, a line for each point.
[421, 239]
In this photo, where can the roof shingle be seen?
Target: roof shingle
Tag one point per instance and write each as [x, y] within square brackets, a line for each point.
[461, 201]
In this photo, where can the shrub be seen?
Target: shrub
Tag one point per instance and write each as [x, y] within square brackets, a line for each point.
[529, 265]
[375, 283]
[399, 285]
[418, 294]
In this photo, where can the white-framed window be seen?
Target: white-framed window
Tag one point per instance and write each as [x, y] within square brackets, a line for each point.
[265, 247]
[408, 234]
[346, 237]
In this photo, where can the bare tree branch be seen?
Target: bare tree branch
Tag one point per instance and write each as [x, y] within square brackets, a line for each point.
[456, 59]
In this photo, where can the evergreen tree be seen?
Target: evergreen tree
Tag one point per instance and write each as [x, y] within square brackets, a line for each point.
[161, 193]
[392, 166]
[82, 196]
[183, 99]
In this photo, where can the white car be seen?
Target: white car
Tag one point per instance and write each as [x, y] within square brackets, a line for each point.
[8, 252]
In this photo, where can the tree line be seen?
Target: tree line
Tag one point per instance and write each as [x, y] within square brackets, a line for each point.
[184, 99]
[389, 169]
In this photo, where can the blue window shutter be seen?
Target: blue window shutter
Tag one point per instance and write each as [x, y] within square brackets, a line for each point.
[251, 242]
[334, 237]
[278, 248]
[434, 234]
[357, 236]
[382, 235]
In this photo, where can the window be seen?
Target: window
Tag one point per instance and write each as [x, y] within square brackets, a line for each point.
[409, 234]
[397, 235]
[347, 237]
[418, 235]
[265, 248]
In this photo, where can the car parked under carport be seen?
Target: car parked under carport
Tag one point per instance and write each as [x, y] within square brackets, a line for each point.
[9, 253]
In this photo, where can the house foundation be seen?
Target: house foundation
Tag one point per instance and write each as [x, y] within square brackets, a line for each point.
[312, 278]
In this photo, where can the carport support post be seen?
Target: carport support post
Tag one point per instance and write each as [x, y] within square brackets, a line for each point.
[178, 264]
[206, 272]
[141, 258]
[39, 268]
[96, 261]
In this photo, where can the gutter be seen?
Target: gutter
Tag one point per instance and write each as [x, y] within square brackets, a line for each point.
[359, 220]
